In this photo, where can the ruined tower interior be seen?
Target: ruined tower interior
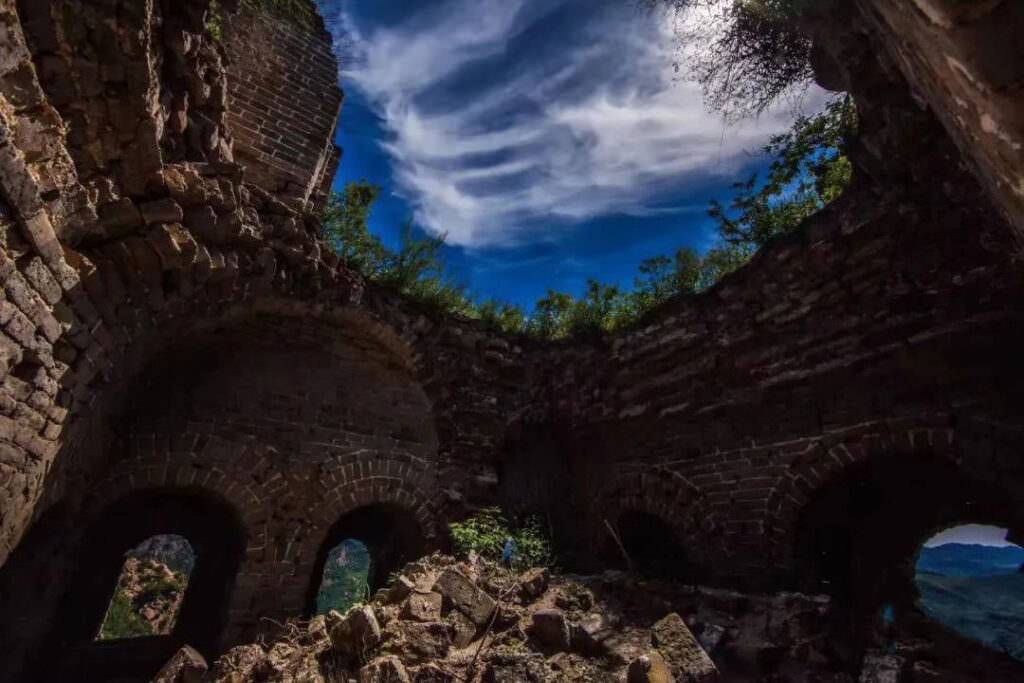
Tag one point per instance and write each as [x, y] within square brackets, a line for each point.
[182, 353]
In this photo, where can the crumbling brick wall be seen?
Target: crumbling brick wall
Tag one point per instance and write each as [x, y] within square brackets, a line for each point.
[284, 102]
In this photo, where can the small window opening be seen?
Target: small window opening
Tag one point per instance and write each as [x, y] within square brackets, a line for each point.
[346, 577]
[971, 579]
[150, 589]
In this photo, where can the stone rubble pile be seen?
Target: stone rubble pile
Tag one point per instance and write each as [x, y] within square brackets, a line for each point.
[443, 620]
[447, 621]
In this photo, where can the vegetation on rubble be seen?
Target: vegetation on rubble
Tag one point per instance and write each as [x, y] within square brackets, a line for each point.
[485, 533]
[808, 169]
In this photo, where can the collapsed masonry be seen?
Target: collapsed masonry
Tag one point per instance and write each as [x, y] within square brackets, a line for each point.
[182, 354]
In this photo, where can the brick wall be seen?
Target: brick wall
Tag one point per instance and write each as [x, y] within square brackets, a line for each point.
[283, 103]
[890, 323]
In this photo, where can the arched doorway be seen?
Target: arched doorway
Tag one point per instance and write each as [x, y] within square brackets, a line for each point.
[652, 546]
[167, 525]
[859, 535]
[971, 579]
[388, 532]
[345, 580]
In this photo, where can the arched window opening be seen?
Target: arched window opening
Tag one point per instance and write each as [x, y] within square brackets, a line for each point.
[652, 545]
[388, 536]
[346, 576]
[971, 579]
[149, 589]
[149, 525]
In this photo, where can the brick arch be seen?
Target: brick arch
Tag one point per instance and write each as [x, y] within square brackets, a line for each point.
[980, 449]
[244, 476]
[371, 478]
[665, 494]
[356, 482]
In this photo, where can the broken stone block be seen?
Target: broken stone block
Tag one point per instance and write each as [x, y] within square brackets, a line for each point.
[186, 666]
[465, 596]
[317, 636]
[288, 661]
[879, 667]
[710, 637]
[463, 630]
[422, 607]
[516, 668]
[243, 663]
[533, 582]
[162, 211]
[649, 668]
[384, 670]
[356, 632]
[400, 589]
[120, 218]
[420, 642]
[686, 658]
[432, 673]
[551, 628]
[589, 633]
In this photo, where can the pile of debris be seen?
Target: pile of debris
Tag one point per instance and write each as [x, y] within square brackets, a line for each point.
[443, 621]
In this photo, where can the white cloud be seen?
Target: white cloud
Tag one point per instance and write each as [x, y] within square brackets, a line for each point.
[497, 127]
[977, 534]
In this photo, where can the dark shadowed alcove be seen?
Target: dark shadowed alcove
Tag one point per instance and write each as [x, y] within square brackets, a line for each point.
[218, 541]
[652, 545]
[390, 533]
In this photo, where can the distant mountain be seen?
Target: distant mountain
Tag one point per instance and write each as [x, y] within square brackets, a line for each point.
[986, 608]
[345, 576]
[169, 549]
[965, 560]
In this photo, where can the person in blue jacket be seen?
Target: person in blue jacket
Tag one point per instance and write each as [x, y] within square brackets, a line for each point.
[508, 552]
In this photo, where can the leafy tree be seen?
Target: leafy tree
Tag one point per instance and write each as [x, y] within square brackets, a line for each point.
[602, 308]
[346, 225]
[506, 317]
[550, 317]
[809, 169]
[663, 277]
[746, 54]
[722, 260]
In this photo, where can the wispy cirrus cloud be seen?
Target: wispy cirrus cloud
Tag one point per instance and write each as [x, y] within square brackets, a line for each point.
[508, 117]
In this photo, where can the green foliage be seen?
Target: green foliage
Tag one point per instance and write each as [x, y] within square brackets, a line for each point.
[122, 619]
[502, 316]
[346, 226]
[808, 170]
[155, 587]
[215, 21]
[416, 269]
[485, 533]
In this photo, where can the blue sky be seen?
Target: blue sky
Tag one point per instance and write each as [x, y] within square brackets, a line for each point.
[552, 141]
